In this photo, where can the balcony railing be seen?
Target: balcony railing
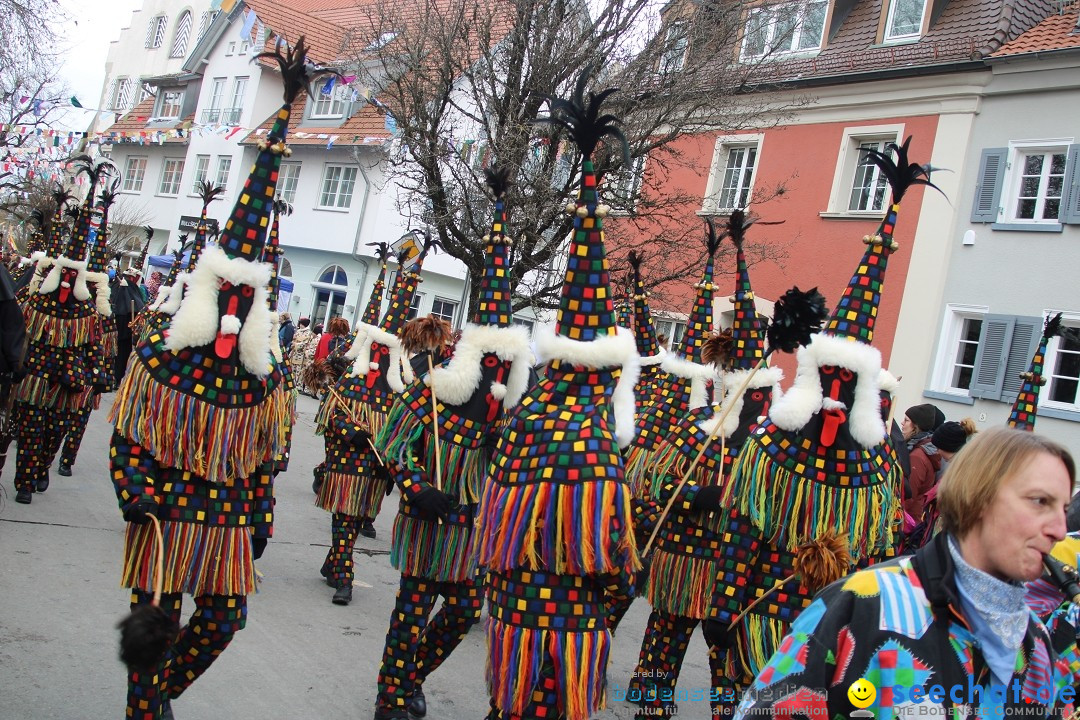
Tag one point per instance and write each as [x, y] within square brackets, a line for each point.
[225, 116]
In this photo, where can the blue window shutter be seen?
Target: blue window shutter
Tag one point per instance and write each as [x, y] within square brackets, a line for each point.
[1025, 338]
[991, 357]
[1070, 194]
[984, 209]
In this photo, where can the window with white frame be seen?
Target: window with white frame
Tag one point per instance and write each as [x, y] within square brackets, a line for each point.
[170, 176]
[239, 89]
[784, 29]
[170, 104]
[960, 335]
[134, 172]
[288, 178]
[858, 185]
[217, 92]
[155, 31]
[869, 185]
[675, 43]
[672, 330]
[145, 90]
[905, 19]
[230, 49]
[446, 309]
[414, 309]
[181, 36]
[731, 180]
[329, 100]
[202, 169]
[224, 167]
[337, 186]
[244, 47]
[120, 93]
[1038, 177]
[1062, 367]
[205, 20]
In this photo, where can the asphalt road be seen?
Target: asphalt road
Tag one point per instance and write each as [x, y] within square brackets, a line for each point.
[299, 656]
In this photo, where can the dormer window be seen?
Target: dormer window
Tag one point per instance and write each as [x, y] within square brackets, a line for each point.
[169, 104]
[905, 20]
[784, 29]
[674, 56]
[329, 100]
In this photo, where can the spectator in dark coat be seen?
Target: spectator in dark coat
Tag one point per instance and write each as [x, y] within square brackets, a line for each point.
[917, 426]
[286, 332]
[12, 331]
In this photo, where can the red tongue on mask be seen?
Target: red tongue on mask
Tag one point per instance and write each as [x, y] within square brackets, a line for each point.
[64, 293]
[225, 344]
[833, 418]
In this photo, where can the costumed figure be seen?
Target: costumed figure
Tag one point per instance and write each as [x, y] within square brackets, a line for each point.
[97, 277]
[819, 463]
[438, 438]
[272, 256]
[702, 448]
[683, 386]
[555, 520]
[1022, 415]
[128, 302]
[64, 360]
[171, 291]
[199, 420]
[353, 476]
[29, 265]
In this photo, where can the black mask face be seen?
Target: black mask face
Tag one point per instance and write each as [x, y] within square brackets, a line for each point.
[756, 403]
[375, 379]
[232, 300]
[829, 427]
[65, 295]
[886, 405]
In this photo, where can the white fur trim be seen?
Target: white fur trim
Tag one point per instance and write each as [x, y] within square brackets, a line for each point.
[169, 297]
[229, 325]
[196, 322]
[888, 382]
[459, 379]
[805, 397]
[498, 390]
[607, 351]
[697, 374]
[656, 359]
[399, 372]
[102, 294]
[52, 279]
[733, 380]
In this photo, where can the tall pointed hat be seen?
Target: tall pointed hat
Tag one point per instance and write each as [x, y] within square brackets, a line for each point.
[54, 239]
[95, 171]
[208, 193]
[274, 252]
[1024, 408]
[571, 508]
[687, 384]
[468, 393]
[371, 311]
[97, 262]
[650, 353]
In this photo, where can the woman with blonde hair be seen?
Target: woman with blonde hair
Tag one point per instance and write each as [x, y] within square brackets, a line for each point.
[953, 613]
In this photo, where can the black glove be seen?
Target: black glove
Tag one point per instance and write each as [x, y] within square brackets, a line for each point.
[139, 512]
[433, 503]
[717, 635]
[361, 439]
[707, 498]
[258, 547]
[381, 473]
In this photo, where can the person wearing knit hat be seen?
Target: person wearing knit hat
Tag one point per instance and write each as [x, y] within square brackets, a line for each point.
[824, 446]
[64, 357]
[687, 555]
[437, 436]
[354, 477]
[951, 437]
[919, 419]
[98, 282]
[554, 526]
[199, 421]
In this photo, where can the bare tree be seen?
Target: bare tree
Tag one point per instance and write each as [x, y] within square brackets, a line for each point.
[30, 29]
[465, 81]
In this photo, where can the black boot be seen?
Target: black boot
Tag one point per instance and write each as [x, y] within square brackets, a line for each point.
[367, 529]
[64, 470]
[343, 596]
[166, 711]
[43, 483]
[418, 704]
[24, 496]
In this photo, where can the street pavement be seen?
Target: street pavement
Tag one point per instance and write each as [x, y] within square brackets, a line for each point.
[299, 656]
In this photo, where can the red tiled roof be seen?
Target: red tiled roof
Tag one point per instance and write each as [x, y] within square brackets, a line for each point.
[965, 30]
[365, 127]
[325, 40]
[1057, 32]
[136, 120]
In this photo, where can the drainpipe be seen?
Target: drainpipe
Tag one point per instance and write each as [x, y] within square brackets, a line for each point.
[359, 309]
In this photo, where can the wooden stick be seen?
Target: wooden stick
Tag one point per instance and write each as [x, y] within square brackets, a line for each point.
[159, 564]
[779, 584]
[701, 452]
[352, 418]
[434, 423]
